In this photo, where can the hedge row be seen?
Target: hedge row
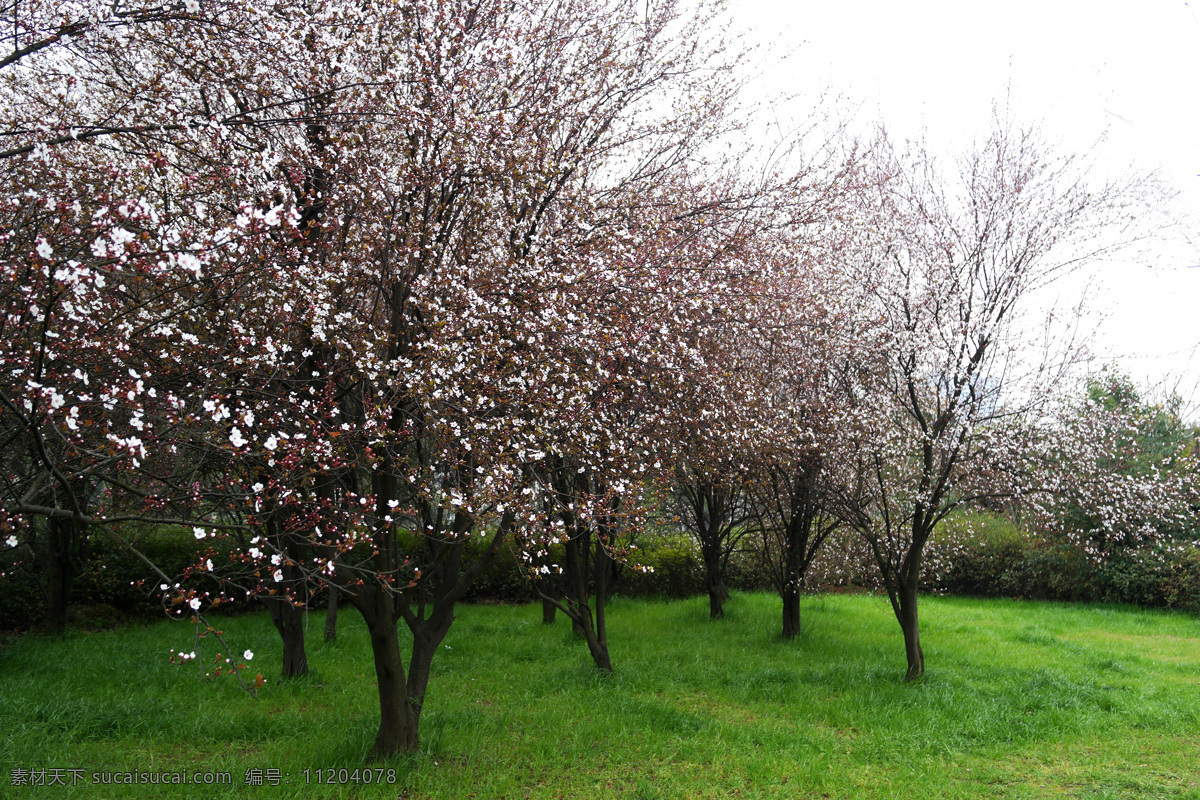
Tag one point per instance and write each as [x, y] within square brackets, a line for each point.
[111, 583]
[996, 559]
[973, 554]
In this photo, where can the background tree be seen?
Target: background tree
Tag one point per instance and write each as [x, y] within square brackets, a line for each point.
[1119, 473]
[807, 337]
[949, 259]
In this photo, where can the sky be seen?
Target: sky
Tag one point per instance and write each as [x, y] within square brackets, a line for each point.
[1119, 81]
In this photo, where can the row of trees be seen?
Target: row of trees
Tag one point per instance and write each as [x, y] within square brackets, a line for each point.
[455, 271]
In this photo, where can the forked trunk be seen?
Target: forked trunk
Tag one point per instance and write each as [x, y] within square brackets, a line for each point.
[289, 621]
[592, 633]
[397, 728]
[599, 651]
[592, 629]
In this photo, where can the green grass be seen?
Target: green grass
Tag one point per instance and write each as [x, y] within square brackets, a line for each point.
[1021, 700]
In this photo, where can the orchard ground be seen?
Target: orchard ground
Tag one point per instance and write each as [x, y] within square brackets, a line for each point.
[1021, 700]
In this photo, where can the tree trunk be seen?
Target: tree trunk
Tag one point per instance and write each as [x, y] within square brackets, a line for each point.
[907, 615]
[593, 632]
[331, 613]
[791, 612]
[397, 729]
[549, 610]
[596, 641]
[716, 603]
[59, 573]
[718, 594]
[289, 621]
[599, 651]
[595, 635]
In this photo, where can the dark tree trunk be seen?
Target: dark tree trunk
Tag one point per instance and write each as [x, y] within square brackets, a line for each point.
[797, 525]
[718, 594]
[427, 637]
[599, 651]
[397, 729]
[709, 511]
[60, 572]
[289, 621]
[402, 697]
[716, 604]
[795, 563]
[593, 630]
[791, 612]
[908, 584]
[907, 616]
[549, 610]
[331, 614]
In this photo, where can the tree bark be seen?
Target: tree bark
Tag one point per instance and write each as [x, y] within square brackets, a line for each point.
[599, 653]
[718, 594]
[593, 631]
[716, 603]
[60, 573]
[426, 640]
[289, 621]
[397, 730]
[909, 623]
[549, 610]
[791, 612]
[331, 615]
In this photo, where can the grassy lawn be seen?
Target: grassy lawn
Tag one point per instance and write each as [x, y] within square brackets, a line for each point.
[1021, 700]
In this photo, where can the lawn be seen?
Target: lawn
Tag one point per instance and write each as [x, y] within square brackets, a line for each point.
[1021, 700]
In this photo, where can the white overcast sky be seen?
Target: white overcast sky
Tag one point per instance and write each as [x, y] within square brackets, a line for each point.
[1125, 71]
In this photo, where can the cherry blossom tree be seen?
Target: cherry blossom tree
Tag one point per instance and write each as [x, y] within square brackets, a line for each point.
[1117, 474]
[348, 308]
[617, 439]
[748, 412]
[145, 191]
[801, 360]
[949, 259]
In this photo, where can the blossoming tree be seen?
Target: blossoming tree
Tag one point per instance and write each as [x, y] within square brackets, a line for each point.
[338, 313]
[949, 260]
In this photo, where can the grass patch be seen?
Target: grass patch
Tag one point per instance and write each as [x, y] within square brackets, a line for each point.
[1022, 700]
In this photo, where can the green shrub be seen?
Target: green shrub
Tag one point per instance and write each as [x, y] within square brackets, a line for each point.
[666, 567]
[113, 576]
[107, 574]
[985, 554]
[1165, 575]
[503, 580]
[1179, 579]
[1055, 570]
